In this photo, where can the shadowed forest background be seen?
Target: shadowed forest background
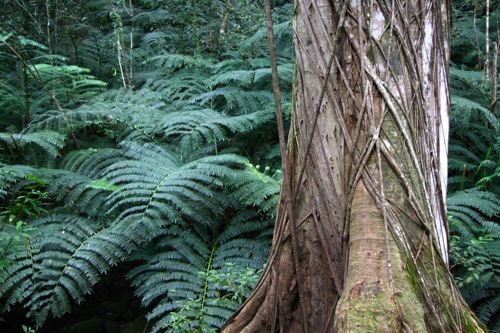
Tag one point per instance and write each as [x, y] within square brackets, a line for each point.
[140, 167]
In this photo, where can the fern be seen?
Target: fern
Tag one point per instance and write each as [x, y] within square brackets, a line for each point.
[201, 128]
[473, 156]
[475, 248]
[188, 279]
[257, 189]
[465, 109]
[154, 187]
[79, 183]
[11, 174]
[234, 100]
[61, 264]
[69, 84]
[258, 78]
[174, 62]
[123, 112]
[160, 173]
[471, 209]
[257, 44]
[50, 142]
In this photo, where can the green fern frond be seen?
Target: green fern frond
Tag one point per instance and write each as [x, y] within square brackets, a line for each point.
[252, 78]
[68, 83]
[235, 100]
[257, 189]
[78, 183]
[201, 128]
[464, 108]
[488, 310]
[25, 42]
[10, 174]
[475, 248]
[64, 259]
[180, 88]
[49, 141]
[174, 62]
[258, 45]
[191, 278]
[139, 116]
[485, 203]
[155, 188]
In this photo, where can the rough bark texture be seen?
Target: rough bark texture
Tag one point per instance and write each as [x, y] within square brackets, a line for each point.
[367, 152]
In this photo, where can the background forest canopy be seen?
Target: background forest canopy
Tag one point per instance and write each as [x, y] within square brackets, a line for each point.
[143, 134]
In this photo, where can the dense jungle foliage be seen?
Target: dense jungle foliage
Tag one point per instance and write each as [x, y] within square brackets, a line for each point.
[143, 132]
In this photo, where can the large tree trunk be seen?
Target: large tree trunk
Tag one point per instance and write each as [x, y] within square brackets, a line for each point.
[365, 249]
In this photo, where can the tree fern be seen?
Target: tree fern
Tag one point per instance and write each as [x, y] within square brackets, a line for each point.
[234, 100]
[258, 78]
[257, 44]
[11, 174]
[160, 172]
[122, 112]
[173, 62]
[473, 208]
[259, 189]
[78, 184]
[195, 274]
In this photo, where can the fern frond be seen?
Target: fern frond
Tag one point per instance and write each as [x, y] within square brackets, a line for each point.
[464, 108]
[68, 83]
[174, 62]
[181, 87]
[139, 115]
[235, 100]
[475, 248]
[260, 78]
[49, 141]
[65, 258]
[154, 188]
[485, 202]
[79, 183]
[200, 128]
[25, 42]
[255, 188]
[191, 277]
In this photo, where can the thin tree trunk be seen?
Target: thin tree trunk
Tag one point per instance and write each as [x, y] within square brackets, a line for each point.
[360, 243]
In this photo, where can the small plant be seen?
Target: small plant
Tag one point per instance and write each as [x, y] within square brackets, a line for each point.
[29, 201]
[27, 329]
[10, 237]
[234, 284]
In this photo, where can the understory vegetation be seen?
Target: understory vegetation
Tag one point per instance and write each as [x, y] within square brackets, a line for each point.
[144, 131]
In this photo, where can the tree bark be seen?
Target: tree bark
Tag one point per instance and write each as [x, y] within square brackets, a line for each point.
[366, 247]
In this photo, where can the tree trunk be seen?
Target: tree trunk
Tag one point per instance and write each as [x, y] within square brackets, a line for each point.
[366, 247]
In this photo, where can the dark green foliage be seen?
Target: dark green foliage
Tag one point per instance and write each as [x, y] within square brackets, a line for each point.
[475, 135]
[180, 171]
[469, 31]
[162, 174]
[63, 260]
[475, 251]
[474, 170]
[188, 278]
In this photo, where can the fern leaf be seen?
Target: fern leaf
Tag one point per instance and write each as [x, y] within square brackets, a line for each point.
[65, 261]
[48, 141]
[155, 188]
